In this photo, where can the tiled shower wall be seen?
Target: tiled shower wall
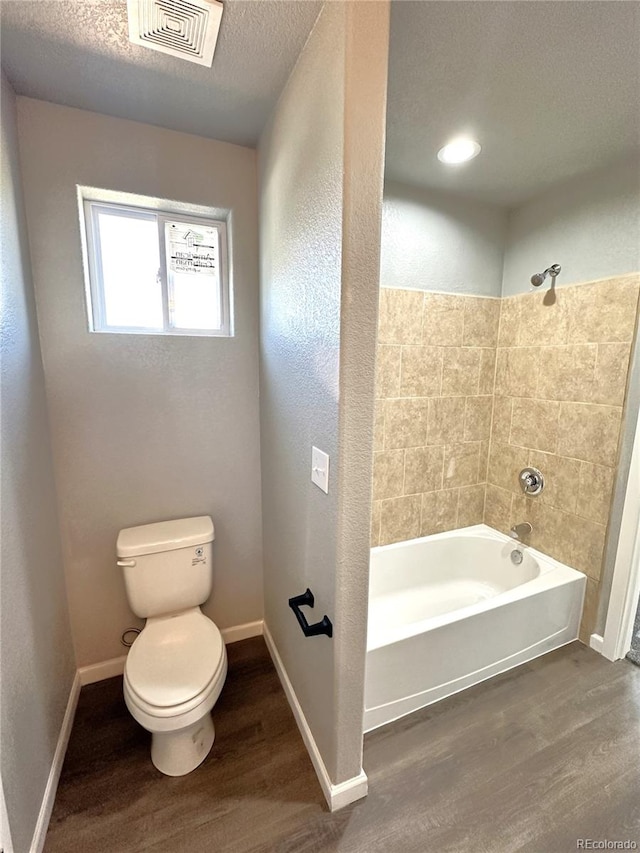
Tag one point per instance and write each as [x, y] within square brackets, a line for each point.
[561, 379]
[470, 390]
[434, 388]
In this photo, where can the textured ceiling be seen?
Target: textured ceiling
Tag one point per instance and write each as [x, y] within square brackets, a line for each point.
[550, 89]
[77, 52]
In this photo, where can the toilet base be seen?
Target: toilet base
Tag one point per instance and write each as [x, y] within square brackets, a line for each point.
[178, 753]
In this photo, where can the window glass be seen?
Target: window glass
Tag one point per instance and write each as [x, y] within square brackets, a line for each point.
[130, 262]
[193, 275]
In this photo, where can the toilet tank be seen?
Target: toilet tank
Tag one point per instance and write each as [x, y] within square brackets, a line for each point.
[167, 566]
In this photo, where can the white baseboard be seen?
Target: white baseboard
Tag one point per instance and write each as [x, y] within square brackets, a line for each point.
[337, 796]
[6, 843]
[596, 642]
[242, 632]
[48, 799]
[115, 666]
[100, 671]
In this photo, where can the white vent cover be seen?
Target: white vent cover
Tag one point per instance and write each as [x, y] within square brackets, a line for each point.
[184, 28]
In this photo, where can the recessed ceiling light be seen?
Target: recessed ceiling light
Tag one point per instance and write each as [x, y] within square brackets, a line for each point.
[459, 150]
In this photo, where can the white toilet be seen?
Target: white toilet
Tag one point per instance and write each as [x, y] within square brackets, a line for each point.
[177, 665]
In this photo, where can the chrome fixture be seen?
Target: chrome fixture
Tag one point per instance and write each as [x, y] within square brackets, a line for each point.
[531, 481]
[520, 530]
[539, 277]
[517, 557]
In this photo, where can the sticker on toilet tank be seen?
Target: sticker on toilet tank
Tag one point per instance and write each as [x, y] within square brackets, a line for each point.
[198, 557]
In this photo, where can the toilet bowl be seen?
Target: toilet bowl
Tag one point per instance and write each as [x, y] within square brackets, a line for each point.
[177, 665]
[173, 676]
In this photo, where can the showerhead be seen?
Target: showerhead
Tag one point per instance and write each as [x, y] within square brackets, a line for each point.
[539, 277]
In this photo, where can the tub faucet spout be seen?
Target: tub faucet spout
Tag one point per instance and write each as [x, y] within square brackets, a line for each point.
[520, 530]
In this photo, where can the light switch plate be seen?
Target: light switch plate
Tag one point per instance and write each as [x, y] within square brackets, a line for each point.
[320, 469]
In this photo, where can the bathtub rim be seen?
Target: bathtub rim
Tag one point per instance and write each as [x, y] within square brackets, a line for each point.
[552, 574]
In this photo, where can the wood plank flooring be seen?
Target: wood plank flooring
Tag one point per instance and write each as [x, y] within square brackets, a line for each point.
[529, 761]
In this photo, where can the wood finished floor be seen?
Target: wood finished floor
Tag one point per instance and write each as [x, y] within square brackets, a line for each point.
[529, 761]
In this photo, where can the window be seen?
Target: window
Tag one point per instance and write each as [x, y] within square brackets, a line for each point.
[155, 272]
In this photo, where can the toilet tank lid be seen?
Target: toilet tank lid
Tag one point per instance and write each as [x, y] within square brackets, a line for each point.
[164, 536]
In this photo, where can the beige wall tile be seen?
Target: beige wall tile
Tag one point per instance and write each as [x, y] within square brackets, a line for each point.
[461, 464]
[502, 367]
[517, 372]
[483, 462]
[460, 371]
[603, 311]
[421, 371]
[388, 474]
[501, 426]
[497, 508]
[446, 420]
[481, 319]
[561, 479]
[589, 432]
[423, 469]
[443, 323]
[575, 541]
[551, 396]
[505, 464]
[551, 531]
[610, 375]
[486, 381]
[388, 370]
[544, 318]
[470, 506]
[405, 423]
[477, 418]
[586, 540]
[400, 519]
[510, 312]
[534, 424]
[378, 425]
[593, 498]
[567, 372]
[400, 316]
[376, 507]
[439, 511]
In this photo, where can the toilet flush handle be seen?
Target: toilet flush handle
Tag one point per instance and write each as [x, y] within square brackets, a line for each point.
[126, 564]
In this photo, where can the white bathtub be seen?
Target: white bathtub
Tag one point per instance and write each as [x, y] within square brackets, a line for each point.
[452, 609]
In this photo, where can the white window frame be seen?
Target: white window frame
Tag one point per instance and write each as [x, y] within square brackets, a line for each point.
[91, 207]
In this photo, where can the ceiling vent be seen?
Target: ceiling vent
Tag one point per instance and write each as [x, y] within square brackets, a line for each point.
[184, 28]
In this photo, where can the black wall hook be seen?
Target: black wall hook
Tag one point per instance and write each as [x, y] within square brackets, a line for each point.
[322, 627]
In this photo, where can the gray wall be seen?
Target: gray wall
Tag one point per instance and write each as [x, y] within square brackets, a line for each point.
[443, 242]
[321, 169]
[37, 661]
[589, 225]
[144, 427]
[439, 241]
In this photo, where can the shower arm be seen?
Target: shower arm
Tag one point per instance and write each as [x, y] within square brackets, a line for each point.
[552, 271]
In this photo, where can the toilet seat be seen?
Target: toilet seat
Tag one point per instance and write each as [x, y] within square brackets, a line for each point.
[175, 663]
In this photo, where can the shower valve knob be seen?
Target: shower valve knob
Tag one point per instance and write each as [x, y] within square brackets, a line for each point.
[531, 481]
